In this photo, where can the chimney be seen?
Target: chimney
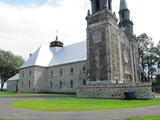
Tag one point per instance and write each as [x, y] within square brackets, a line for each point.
[30, 55]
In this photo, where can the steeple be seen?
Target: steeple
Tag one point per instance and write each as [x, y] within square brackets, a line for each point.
[99, 5]
[124, 15]
[123, 5]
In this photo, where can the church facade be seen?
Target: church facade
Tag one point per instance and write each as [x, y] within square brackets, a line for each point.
[105, 65]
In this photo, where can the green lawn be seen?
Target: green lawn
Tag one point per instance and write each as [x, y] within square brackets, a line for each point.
[2, 118]
[11, 94]
[81, 104]
[146, 118]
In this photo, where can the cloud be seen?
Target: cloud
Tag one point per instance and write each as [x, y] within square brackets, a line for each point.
[23, 28]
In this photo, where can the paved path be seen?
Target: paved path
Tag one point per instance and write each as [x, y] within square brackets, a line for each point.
[12, 113]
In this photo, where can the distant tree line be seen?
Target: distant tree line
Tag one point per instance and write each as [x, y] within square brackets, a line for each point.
[9, 65]
[149, 59]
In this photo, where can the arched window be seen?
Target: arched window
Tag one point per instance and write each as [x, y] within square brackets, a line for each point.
[110, 4]
[97, 5]
[122, 15]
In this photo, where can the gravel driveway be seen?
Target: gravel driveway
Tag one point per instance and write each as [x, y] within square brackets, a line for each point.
[13, 113]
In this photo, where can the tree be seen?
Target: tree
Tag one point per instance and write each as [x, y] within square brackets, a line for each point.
[152, 61]
[148, 57]
[9, 65]
[158, 54]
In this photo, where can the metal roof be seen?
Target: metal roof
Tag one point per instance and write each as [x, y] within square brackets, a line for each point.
[49, 56]
[16, 77]
[123, 5]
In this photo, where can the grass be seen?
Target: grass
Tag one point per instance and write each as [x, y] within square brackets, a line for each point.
[2, 118]
[146, 118]
[60, 104]
[11, 94]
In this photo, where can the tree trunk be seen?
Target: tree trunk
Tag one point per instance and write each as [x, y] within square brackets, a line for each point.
[2, 84]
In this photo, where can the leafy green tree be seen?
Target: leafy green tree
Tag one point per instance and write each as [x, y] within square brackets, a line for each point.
[158, 54]
[9, 65]
[148, 57]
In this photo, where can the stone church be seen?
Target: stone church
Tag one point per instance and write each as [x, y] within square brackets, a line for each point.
[105, 65]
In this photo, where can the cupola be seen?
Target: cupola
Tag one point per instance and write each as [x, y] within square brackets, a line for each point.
[56, 43]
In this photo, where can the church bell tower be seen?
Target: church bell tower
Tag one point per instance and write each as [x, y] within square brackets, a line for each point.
[124, 15]
[102, 38]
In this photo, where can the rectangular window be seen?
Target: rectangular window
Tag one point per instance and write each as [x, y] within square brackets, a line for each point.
[60, 72]
[84, 82]
[71, 70]
[71, 84]
[22, 84]
[23, 74]
[51, 84]
[51, 73]
[84, 69]
[29, 84]
[60, 84]
[30, 73]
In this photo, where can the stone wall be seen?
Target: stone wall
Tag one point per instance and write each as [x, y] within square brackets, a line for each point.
[61, 78]
[99, 45]
[58, 78]
[11, 85]
[26, 77]
[141, 90]
[39, 79]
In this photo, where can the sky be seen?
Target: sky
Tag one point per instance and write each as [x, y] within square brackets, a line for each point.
[27, 24]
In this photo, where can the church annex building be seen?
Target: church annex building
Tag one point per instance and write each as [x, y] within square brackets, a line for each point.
[105, 65]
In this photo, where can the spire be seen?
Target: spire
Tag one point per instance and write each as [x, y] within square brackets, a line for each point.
[123, 5]
[124, 15]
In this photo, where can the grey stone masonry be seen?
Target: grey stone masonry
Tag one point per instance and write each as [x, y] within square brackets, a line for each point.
[141, 90]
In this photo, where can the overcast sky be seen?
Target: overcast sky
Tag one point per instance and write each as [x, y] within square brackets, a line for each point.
[27, 24]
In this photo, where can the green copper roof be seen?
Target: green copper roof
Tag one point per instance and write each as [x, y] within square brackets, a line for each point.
[123, 5]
